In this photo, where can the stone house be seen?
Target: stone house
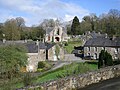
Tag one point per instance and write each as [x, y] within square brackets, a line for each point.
[93, 47]
[35, 54]
[37, 51]
[87, 35]
[41, 52]
[51, 52]
[55, 34]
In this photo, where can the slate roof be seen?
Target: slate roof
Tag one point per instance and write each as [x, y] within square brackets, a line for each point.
[49, 45]
[30, 46]
[102, 42]
[49, 29]
[33, 48]
[97, 35]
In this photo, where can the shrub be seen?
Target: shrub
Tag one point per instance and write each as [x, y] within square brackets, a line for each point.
[105, 59]
[41, 64]
[27, 80]
[66, 44]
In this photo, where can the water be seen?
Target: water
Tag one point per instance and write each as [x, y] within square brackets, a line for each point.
[111, 84]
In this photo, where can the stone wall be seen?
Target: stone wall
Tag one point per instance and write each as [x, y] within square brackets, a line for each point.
[79, 81]
[96, 50]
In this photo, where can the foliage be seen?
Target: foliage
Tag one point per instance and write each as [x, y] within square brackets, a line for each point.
[75, 26]
[74, 68]
[105, 59]
[37, 33]
[27, 80]
[11, 59]
[43, 66]
[106, 23]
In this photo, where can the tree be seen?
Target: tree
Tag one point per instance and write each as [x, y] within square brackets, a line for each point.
[108, 59]
[11, 30]
[89, 23]
[1, 31]
[12, 58]
[105, 59]
[75, 26]
[101, 59]
[37, 33]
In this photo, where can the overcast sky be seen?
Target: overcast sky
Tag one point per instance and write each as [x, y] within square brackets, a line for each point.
[34, 11]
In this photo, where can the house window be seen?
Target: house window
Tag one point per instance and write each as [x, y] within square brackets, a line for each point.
[95, 56]
[88, 54]
[116, 50]
[88, 48]
[95, 48]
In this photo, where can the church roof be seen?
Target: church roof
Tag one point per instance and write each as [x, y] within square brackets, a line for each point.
[49, 29]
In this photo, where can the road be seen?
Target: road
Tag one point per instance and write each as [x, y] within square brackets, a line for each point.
[111, 84]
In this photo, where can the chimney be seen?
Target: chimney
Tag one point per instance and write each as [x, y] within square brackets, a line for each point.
[113, 38]
[106, 36]
[99, 33]
[43, 40]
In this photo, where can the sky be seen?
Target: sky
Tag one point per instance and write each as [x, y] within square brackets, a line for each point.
[35, 11]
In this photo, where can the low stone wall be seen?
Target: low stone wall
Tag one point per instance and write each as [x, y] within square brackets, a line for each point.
[79, 81]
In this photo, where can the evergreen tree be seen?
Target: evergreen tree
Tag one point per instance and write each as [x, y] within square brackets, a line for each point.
[75, 26]
[105, 59]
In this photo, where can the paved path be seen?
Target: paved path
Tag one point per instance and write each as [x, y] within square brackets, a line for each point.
[111, 84]
[71, 57]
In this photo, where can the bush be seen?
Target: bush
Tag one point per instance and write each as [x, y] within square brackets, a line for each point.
[66, 44]
[41, 64]
[105, 59]
[27, 80]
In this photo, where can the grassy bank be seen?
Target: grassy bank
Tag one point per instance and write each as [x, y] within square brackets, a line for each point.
[67, 70]
[69, 47]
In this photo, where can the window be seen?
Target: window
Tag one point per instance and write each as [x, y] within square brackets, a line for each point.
[48, 38]
[95, 48]
[95, 56]
[88, 48]
[88, 54]
[58, 31]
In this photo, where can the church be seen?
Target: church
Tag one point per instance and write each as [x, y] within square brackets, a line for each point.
[58, 33]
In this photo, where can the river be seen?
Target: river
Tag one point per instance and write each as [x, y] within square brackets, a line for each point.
[111, 84]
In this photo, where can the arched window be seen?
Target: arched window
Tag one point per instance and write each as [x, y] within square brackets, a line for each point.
[48, 38]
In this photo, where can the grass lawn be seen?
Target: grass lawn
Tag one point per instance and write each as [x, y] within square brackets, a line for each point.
[70, 47]
[67, 70]
[74, 68]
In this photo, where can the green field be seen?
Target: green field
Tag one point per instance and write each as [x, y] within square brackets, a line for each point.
[70, 45]
[67, 70]
[74, 68]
